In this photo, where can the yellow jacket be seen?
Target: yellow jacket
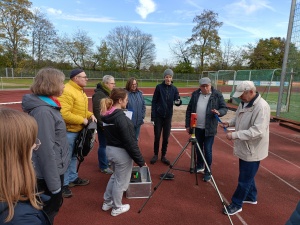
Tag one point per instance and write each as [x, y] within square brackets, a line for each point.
[74, 106]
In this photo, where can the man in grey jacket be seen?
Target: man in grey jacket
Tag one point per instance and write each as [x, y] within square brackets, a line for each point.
[251, 142]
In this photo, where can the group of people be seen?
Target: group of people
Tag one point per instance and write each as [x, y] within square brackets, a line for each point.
[58, 112]
[55, 115]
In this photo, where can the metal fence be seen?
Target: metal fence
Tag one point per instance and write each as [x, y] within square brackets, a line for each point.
[268, 84]
[266, 81]
[25, 73]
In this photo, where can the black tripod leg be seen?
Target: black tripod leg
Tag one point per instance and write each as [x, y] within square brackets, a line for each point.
[161, 180]
[213, 180]
[195, 164]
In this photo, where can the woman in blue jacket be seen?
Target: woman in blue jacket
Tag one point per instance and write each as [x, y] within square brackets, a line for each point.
[136, 104]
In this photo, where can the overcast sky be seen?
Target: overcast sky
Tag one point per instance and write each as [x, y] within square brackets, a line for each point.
[244, 21]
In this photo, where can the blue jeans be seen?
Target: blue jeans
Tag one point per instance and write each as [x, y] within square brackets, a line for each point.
[246, 188]
[205, 143]
[164, 125]
[71, 173]
[102, 158]
[137, 132]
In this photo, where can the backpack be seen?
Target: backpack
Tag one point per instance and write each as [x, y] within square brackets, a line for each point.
[85, 142]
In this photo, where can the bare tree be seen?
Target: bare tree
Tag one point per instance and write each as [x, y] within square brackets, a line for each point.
[229, 58]
[43, 37]
[205, 39]
[181, 51]
[15, 22]
[78, 49]
[118, 41]
[142, 49]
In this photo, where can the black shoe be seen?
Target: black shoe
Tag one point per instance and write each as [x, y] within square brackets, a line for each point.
[154, 159]
[165, 161]
[232, 209]
[79, 182]
[66, 192]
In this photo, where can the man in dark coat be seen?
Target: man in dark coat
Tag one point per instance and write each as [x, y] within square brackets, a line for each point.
[165, 95]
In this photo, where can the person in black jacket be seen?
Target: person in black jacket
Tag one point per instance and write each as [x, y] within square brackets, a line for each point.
[165, 95]
[207, 102]
[102, 91]
[121, 149]
[19, 200]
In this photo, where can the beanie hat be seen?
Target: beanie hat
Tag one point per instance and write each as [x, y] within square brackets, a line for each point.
[168, 72]
[75, 72]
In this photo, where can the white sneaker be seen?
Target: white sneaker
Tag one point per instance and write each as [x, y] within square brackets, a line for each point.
[200, 170]
[250, 202]
[122, 209]
[107, 206]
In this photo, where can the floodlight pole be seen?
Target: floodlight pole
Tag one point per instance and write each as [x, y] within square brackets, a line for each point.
[285, 57]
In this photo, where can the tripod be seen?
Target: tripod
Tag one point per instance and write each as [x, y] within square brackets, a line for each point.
[194, 142]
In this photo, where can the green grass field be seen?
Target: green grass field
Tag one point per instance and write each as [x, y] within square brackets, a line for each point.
[9, 83]
[289, 111]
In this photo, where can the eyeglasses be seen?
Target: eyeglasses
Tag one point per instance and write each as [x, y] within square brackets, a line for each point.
[37, 144]
[83, 77]
[134, 84]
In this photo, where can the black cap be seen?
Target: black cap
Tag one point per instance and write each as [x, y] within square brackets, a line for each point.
[75, 72]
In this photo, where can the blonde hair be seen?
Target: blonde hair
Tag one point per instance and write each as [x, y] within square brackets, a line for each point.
[115, 95]
[18, 132]
[47, 82]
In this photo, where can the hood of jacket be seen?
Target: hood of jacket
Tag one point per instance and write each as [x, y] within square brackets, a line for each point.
[32, 101]
[110, 118]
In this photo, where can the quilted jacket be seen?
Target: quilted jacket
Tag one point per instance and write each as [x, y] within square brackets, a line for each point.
[74, 106]
[119, 132]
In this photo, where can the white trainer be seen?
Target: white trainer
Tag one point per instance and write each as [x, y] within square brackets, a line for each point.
[120, 210]
[250, 202]
[107, 205]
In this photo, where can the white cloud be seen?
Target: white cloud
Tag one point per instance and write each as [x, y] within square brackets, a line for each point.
[145, 8]
[54, 11]
[249, 7]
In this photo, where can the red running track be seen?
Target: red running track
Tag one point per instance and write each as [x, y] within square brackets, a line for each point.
[181, 201]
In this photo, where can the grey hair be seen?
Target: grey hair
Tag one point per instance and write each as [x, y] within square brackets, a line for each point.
[107, 78]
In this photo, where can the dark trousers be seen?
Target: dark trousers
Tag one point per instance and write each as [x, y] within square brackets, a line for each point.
[246, 188]
[162, 125]
[102, 158]
[205, 144]
[55, 201]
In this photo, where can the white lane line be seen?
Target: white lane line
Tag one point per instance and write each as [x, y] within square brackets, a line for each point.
[9, 103]
[287, 183]
[286, 138]
[287, 161]
[270, 152]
